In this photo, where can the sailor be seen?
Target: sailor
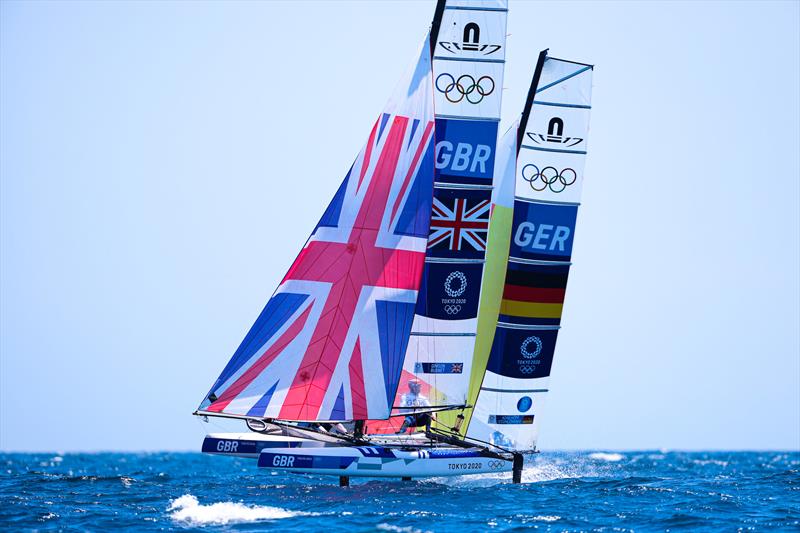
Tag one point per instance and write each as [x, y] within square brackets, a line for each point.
[500, 440]
[414, 399]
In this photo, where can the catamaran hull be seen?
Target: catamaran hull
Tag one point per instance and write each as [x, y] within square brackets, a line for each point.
[378, 461]
[250, 445]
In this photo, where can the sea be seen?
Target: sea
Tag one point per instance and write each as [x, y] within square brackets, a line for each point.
[561, 491]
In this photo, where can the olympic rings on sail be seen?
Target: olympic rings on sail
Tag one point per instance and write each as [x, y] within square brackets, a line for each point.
[548, 177]
[455, 293]
[527, 369]
[452, 309]
[496, 464]
[526, 343]
[464, 87]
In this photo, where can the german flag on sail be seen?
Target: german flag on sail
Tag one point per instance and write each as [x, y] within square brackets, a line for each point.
[534, 294]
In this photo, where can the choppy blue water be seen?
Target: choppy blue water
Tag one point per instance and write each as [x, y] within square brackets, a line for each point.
[642, 491]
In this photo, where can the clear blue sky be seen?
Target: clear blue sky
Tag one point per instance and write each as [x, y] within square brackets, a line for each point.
[161, 164]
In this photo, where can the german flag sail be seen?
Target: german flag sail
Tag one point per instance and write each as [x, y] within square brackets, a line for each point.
[534, 294]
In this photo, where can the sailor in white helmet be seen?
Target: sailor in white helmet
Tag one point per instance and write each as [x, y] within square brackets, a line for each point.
[414, 399]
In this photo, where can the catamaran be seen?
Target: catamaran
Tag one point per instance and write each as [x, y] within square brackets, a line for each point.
[414, 334]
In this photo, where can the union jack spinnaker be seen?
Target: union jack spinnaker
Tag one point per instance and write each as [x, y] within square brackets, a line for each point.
[329, 345]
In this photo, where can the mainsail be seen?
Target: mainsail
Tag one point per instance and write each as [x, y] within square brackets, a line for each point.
[547, 187]
[468, 65]
[329, 345]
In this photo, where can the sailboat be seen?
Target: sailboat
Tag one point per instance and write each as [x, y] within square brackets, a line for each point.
[414, 334]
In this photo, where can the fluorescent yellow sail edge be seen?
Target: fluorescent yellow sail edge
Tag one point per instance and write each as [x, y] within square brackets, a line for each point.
[494, 272]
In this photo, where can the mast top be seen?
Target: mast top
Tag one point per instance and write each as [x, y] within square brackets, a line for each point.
[526, 111]
[437, 23]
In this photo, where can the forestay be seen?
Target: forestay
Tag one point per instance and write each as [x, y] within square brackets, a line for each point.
[344, 310]
[468, 64]
[549, 178]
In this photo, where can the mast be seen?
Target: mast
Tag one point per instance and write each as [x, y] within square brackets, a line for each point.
[437, 23]
[526, 111]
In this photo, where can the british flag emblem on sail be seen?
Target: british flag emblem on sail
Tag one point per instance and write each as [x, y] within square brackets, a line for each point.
[345, 308]
[460, 222]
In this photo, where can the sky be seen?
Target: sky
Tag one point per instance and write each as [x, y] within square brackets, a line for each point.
[162, 163]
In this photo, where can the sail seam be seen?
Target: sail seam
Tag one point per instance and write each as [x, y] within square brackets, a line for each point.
[429, 334]
[558, 104]
[457, 117]
[453, 261]
[538, 201]
[524, 261]
[539, 149]
[463, 186]
[471, 60]
[489, 389]
[508, 325]
[565, 78]
[467, 8]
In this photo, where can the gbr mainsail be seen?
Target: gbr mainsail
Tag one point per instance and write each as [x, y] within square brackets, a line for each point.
[535, 242]
[330, 343]
[468, 68]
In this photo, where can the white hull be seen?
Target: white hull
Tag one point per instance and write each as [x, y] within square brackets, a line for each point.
[390, 456]
[251, 444]
[382, 461]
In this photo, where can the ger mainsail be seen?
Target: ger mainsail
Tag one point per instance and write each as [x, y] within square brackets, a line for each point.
[533, 227]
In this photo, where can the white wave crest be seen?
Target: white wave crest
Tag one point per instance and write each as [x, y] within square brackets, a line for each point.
[397, 529]
[188, 510]
[546, 518]
[706, 462]
[610, 457]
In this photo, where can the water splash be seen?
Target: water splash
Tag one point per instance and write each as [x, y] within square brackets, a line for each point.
[187, 510]
[540, 470]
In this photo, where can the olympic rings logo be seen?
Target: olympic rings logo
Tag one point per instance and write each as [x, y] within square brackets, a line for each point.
[452, 309]
[527, 342]
[527, 369]
[548, 177]
[464, 87]
[496, 464]
[455, 293]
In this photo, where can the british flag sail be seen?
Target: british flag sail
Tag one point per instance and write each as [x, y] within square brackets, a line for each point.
[468, 67]
[329, 344]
